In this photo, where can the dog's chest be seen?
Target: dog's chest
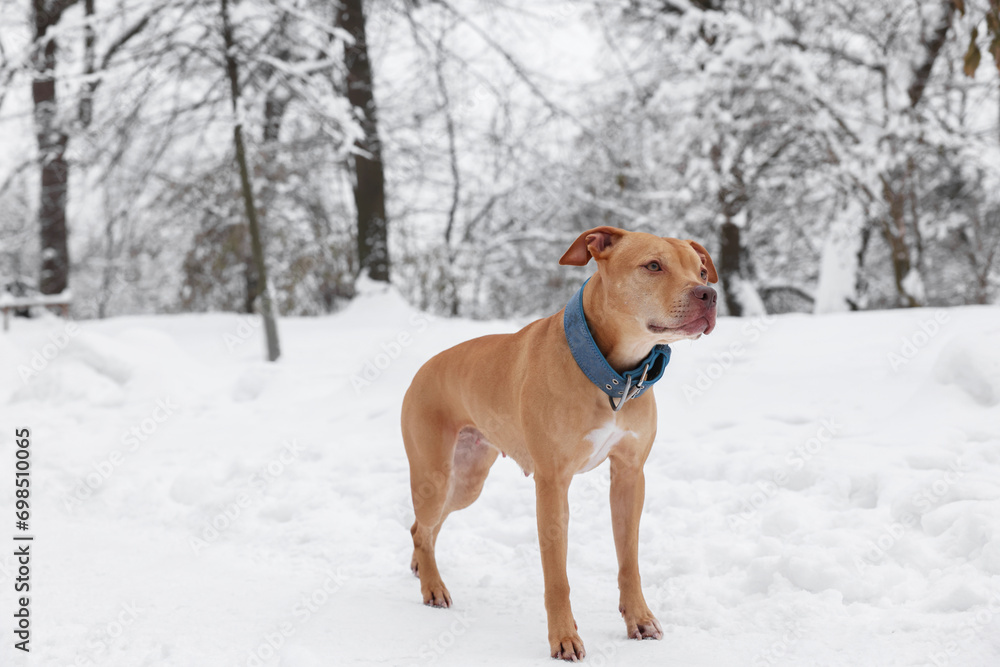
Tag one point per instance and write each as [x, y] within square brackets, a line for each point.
[603, 438]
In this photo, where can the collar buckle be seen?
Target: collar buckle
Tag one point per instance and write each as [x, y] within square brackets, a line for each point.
[630, 392]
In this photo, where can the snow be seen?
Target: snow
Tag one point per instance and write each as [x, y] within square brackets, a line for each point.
[824, 490]
[914, 285]
[972, 362]
[838, 264]
[746, 294]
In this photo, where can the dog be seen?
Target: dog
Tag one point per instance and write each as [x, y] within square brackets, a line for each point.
[559, 397]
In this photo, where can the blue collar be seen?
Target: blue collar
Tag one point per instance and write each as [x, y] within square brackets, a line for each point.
[623, 387]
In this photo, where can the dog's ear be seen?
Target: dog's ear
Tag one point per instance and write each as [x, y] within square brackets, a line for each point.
[706, 261]
[595, 243]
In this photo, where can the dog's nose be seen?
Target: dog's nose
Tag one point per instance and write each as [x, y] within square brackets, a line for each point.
[706, 294]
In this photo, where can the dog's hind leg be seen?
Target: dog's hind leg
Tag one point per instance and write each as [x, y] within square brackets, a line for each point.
[429, 449]
[447, 472]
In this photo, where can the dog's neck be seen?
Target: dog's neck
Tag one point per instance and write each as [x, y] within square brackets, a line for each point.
[623, 351]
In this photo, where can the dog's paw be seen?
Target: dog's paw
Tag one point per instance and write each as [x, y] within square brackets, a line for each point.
[567, 646]
[435, 594]
[642, 625]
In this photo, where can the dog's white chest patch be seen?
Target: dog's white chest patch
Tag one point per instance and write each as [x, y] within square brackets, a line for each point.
[603, 439]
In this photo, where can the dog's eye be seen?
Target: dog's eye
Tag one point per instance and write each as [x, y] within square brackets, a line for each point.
[704, 274]
[653, 266]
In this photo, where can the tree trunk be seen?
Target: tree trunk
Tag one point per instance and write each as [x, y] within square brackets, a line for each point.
[369, 177]
[730, 268]
[85, 112]
[932, 47]
[456, 183]
[274, 110]
[894, 231]
[860, 282]
[52, 140]
[267, 308]
[733, 197]
[898, 188]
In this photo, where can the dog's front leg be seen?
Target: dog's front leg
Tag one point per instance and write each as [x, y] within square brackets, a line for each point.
[552, 509]
[628, 488]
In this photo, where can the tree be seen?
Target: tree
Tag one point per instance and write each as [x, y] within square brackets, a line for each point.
[232, 72]
[284, 52]
[52, 140]
[369, 176]
[53, 133]
[782, 135]
[902, 231]
[973, 55]
[772, 125]
[719, 139]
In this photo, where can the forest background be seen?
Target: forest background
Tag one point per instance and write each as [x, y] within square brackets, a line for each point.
[836, 155]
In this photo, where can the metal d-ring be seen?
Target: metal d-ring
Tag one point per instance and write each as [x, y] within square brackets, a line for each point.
[624, 399]
[629, 395]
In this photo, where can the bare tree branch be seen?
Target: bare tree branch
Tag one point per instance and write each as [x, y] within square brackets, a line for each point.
[522, 74]
[932, 47]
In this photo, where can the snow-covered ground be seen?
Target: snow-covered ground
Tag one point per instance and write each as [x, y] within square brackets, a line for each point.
[824, 490]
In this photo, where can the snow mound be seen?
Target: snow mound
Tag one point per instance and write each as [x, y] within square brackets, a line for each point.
[102, 354]
[377, 304]
[76, 364]
[251, 383]
[70, 381]
[971, 361]
[70, 365]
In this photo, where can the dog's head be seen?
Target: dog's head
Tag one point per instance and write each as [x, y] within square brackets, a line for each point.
[657, 287]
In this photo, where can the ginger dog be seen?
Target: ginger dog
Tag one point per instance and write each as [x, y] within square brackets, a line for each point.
[559, 397]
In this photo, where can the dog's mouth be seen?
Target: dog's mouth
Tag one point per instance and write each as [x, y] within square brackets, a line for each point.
[703, 324]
